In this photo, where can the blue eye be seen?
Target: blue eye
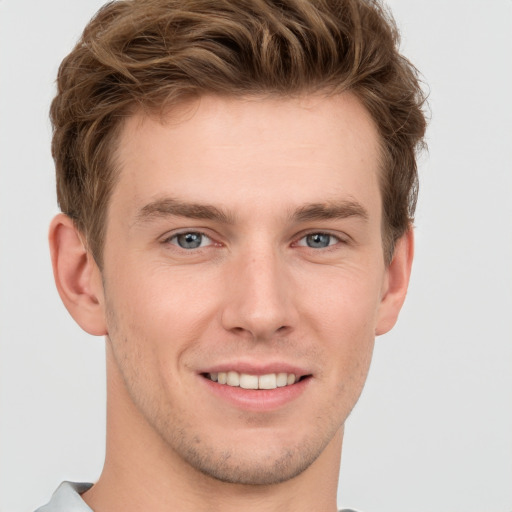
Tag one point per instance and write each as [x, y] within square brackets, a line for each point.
[318, 240]
[190, 240]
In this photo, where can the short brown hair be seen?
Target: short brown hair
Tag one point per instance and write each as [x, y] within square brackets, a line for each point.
[150, 54]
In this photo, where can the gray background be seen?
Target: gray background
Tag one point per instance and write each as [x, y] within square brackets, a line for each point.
[433, 430]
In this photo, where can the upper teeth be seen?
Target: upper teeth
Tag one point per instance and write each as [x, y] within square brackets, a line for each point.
[247, 381]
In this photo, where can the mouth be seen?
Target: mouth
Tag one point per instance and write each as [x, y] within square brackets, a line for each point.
[250, 381]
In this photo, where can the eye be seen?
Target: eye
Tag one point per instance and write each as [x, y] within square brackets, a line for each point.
[190, 240]
[318, 240]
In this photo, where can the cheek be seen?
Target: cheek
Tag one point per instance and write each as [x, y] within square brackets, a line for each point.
[160, 293]
[345, 301]
[161, 312]
[342, 314]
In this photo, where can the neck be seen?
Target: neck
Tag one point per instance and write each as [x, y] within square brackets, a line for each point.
[142, 471]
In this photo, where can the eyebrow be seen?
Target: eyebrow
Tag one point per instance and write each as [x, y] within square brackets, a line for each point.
[174, 207]
[330, 210]
[316, 211]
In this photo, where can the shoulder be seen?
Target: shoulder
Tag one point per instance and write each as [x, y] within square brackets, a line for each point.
[67, 498]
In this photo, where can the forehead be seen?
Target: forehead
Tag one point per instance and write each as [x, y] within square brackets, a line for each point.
[229, 151]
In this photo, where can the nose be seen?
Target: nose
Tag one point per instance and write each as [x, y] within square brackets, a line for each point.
[259, 299]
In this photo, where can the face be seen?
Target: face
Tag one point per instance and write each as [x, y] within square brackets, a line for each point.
[244, 277]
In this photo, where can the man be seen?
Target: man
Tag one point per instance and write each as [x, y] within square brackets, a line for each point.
[237, 182]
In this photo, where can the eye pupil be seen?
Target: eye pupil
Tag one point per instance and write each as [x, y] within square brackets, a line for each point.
[318, 240]
[189, 240]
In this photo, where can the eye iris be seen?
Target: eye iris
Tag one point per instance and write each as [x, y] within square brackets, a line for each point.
[318, 240]
[189, 240]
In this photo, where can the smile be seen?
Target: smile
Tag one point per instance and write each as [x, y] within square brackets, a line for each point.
[248, 381]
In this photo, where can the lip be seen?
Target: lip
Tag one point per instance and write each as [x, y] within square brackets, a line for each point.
[257, 400]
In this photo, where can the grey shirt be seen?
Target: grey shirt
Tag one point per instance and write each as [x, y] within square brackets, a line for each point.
[67, 499]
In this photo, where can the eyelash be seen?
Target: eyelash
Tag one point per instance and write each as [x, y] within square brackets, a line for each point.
[330, 245]
[173, 240]
[169, 240]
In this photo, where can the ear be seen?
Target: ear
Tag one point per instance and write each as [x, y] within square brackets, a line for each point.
[77, 276]
[396, 282]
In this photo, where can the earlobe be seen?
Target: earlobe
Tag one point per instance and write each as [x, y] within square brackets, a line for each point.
[396, 283]
[77, 276]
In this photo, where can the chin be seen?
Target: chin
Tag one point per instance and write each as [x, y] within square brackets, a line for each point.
[249, 463]
[247, 470]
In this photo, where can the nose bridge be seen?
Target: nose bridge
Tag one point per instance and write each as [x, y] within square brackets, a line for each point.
[259, 293]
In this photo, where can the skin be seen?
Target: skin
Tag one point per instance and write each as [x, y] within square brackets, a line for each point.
[265, 175]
